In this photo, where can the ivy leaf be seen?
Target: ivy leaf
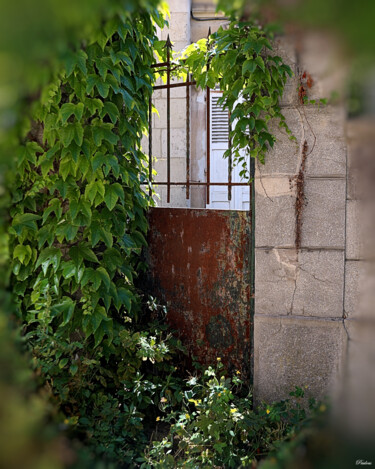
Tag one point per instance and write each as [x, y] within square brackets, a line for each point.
[112, 193]
[69, 269]
[110, 197]
[128, 100]
[76, 59]
[103, 88]
[248, 66]
[125, 296]
[22, 253]
[68, 109]
[67, 134]
[49, 256]
[111, 110]
[67, 166]
[112, 259]
[81, 61]
[98, 160]
[78, 134]
[260, 124]
[93, 105]
[107, 237]
[66, 307]
[27, 220]
[104, 276]
[104, 132]
[95, 190]
[81, 252]
[260, 63]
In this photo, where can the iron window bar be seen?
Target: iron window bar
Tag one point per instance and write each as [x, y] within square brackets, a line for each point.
[167, 67]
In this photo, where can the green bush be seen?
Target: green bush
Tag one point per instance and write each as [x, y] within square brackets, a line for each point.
[217, 425]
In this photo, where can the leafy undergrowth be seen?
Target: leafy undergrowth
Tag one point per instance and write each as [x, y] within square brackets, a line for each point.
[217, 425]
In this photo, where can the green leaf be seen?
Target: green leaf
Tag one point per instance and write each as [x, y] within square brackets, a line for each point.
[112, 259]
[81, 61]
[98, 160]
[67, 134]
[104, 132]
[125, 296]
[68, 109]
[27, 220]
[47, 257]
[81, 252]
[69, 269]
[73, 369]
[107, 237]
[248, 66]
[104, 276]
[78, 134]
[22, 253]
[112, 194]
[63, 362]
[111, 110]
[260, 63]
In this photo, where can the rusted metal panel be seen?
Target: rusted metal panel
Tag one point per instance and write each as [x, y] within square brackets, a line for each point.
[199, 266]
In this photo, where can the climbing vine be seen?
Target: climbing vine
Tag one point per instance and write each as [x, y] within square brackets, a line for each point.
[78, 224]
[240, 61]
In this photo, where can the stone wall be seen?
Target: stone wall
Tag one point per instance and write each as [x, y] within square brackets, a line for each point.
[300, 294]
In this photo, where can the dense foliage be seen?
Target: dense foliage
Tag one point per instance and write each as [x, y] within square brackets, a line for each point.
[78, 224]
[218, 426]
[240, 61]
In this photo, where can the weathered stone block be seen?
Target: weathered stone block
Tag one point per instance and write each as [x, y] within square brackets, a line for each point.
[354, 227]
[179, 6]
[275, 280]
[178, 170]
[320, 57]
[323, 216]
[322, 129]
[325, 134]
[354, 172]
[284, 158]
[274, 211]
[177, 117]
[320, 284]
[359, 386]
[179, 28]
[178, 143]
[178, 197]
[310, 284]
[354, 273]
[292, 352]
[156, 143]
[290, 95]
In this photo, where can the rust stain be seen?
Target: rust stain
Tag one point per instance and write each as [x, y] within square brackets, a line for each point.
[199, 264]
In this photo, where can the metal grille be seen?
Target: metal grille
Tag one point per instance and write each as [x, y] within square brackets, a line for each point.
[221, 132]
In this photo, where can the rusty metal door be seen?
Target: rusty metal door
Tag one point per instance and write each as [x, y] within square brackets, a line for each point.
[200, 268]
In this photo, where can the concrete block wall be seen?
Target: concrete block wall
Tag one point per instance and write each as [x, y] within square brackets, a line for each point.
[299, 332]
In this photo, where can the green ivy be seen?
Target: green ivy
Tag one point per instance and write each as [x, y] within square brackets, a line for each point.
[239, 60]
[78, 225]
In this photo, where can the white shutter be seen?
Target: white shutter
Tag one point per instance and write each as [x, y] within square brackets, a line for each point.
[219, 127]
[219, 123]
